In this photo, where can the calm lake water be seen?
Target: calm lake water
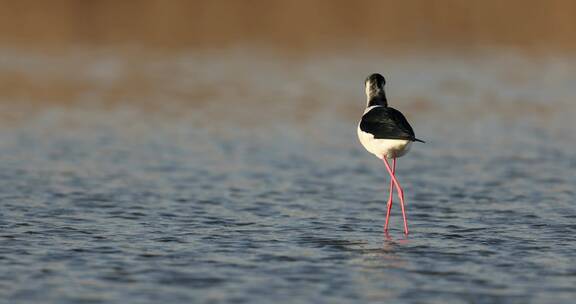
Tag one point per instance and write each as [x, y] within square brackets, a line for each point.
[264, 195]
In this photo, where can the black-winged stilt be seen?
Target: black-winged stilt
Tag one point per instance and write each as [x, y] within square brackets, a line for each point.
[386, 133]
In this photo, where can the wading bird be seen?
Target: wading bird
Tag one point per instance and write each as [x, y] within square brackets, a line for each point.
[386, 133]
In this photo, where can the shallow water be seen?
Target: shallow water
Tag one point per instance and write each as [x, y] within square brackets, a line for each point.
[112, 206]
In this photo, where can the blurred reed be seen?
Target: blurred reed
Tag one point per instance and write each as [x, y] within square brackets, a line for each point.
[290, 25]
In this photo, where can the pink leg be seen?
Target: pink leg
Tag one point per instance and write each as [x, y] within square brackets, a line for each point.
[389, 204]
[400, 194]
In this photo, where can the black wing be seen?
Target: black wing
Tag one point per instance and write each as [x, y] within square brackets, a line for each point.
[387, 123]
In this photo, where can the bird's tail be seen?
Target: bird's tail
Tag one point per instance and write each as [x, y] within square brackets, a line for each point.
[419, 140]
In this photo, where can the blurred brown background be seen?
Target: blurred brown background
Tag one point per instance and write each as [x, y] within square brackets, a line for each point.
[67, 53]
[294, 24]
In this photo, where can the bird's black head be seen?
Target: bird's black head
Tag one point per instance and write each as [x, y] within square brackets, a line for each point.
[376, 79]
[375, 90]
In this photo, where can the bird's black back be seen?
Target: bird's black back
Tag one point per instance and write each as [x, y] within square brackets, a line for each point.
[387, 123]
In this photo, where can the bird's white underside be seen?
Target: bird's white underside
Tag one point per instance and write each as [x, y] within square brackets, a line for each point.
[389, 148]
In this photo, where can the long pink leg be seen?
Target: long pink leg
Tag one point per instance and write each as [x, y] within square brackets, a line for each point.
[389, 204]
[400, 193]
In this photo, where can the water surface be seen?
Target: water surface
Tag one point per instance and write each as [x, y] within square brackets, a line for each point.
[245, 205]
